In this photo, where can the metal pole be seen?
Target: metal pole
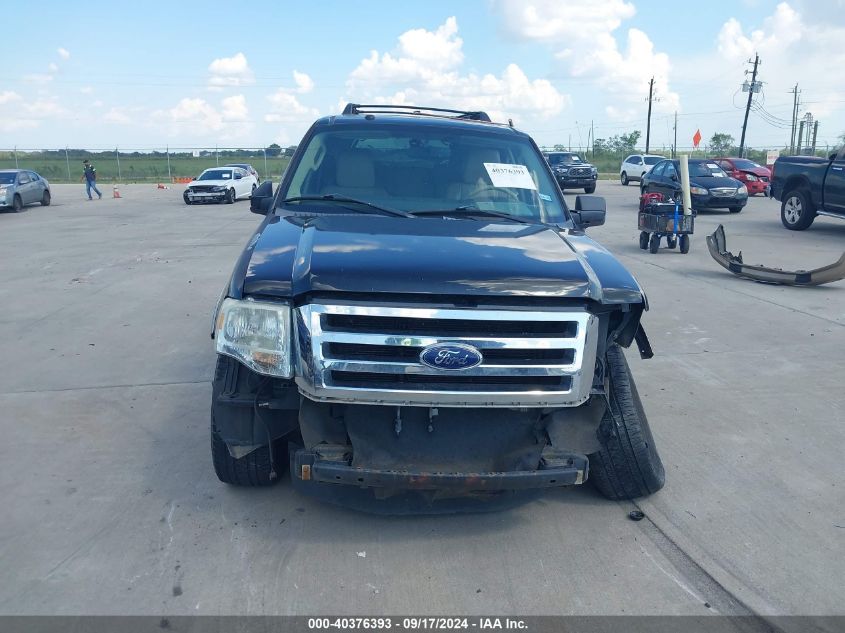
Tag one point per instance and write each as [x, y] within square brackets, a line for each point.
[675, 144]
[685, 186]
[169, 177]
[15, 152]
[748, 105]
[67, 160]
[648, 123]
[794, 119]
[265, 163]
[116, 153]
[800, 147]
[815, 132]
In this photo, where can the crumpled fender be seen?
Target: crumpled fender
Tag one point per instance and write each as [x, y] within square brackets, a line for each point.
[717, 246]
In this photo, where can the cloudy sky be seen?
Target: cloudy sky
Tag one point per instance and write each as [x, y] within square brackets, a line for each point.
[149, 74]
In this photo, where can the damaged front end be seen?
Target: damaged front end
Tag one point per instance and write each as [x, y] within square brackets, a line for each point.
[717, 246]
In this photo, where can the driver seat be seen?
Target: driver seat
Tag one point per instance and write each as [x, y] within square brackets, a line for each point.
[355, 177]
[474, 175]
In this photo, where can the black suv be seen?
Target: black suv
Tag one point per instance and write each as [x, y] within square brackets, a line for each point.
[420, 315]
[571, 172]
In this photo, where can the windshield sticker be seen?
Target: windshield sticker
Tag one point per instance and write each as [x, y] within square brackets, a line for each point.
[545, 197]
[514, 176]
[714, 167]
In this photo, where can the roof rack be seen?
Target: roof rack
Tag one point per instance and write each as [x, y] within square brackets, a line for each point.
[360, 108]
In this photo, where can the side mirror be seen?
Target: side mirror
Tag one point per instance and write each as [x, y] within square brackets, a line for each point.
[262, 198]
[674, 177]
[833, 156]
[589, 211]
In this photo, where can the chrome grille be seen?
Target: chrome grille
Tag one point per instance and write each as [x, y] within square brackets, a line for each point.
[723, 192]
[370, 354]
[579, 171]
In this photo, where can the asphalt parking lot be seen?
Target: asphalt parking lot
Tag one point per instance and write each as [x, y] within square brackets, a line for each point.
[111, 506]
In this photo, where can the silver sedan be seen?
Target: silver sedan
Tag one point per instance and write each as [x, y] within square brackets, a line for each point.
[20, 187]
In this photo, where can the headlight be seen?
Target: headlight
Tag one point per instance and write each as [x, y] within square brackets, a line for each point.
[698, 191]
[562, 170]
[257, 334]
[750, 177]
[742, 189]
[221, 188]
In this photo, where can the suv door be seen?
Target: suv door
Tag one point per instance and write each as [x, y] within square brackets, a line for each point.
[834, 184]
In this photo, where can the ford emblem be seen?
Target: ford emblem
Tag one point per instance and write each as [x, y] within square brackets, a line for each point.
[451, 356]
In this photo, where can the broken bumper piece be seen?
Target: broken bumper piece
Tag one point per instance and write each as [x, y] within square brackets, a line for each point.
[563, 470]
[717, 246]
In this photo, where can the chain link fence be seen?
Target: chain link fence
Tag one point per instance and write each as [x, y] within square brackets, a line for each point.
[179, 164]
[168, 164]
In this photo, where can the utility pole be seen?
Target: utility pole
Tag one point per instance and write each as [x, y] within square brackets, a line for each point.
[800, 138]
[751, 90]
[675, 143]
[593, 137]
[815, 133]
[648, 124]
[795, 93]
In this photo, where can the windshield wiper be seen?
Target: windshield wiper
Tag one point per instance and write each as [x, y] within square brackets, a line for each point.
[468, 210]
[331, 197]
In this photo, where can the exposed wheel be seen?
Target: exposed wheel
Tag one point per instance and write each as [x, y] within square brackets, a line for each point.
[684, 239]
[671, 241]
[230, 196]
[17, 204]
[654, 243]
[252, 193]
[735, 209]
[252, 470]
[45, 199]
[796, 211]
[623, 177]
[628, 465]
[643, 240]
[186, 199]
[589, 189]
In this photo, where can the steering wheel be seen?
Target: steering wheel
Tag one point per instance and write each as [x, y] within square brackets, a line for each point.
[489, 188]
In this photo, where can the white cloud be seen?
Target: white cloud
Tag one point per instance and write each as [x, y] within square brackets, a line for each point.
[53, 67]
[7, 96]
[38, 78]
[587, 47]
[202, 120]
[118, 115]
[230, 71]
[425, 70]
[63, 53]
[86, 90]
[45, 109]
[792, 51]
[304, 83]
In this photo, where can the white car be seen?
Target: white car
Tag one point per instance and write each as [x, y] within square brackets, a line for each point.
[636, 166]
[220, 184]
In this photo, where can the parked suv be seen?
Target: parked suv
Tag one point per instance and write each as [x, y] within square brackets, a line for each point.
[635, 166]
[420, 314]
[572, 172]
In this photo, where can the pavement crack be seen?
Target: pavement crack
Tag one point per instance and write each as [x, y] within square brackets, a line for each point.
[118, 386]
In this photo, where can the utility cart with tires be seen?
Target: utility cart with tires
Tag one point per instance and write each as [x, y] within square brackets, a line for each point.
[659, 219]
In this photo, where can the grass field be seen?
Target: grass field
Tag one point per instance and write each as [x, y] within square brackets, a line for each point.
[134, 167]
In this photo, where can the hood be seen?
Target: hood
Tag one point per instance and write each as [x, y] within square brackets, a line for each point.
[710, 182]
[758, 171]
[373, 254]
[210, 183]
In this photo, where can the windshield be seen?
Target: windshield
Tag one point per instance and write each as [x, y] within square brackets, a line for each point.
[425, 168]
[741, 163]
[556, 159]
[7, 178]
[705, 170]
[216, 174]
[652, 160]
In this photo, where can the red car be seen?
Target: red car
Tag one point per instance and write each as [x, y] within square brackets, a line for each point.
[756, 178]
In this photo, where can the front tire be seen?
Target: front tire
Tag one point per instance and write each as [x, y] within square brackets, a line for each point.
[230, 197]
[796, 211]
[735, 209]
[644, 240]
[654, 243]
[252, 193]
[628, 465]
[17, 204]
[684, 243]
[252, 470]
[45, 199]
[186, 199]
[590, 189]
[623, 177]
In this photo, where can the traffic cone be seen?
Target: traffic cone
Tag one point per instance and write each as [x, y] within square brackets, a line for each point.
[116, 192]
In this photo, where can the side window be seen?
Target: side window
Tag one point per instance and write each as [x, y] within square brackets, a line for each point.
[637, 160]
[658, 168]
[629, 159]
[670, 170]
[23, 178]
[33, 176]
[725, 165]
